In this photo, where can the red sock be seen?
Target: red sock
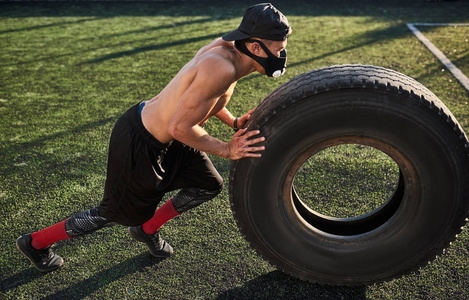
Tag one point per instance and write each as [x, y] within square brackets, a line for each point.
[162, 215]
[48, 236]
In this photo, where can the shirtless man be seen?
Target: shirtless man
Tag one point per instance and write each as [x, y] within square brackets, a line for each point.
[159, 145]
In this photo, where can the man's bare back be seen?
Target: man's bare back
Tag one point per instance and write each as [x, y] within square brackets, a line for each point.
[159, 110]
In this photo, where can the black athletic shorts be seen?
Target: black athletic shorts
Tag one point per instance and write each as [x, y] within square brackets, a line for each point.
[141, 170]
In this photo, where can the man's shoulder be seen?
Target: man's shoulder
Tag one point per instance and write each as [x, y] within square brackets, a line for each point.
[217, 43]
[217, 61]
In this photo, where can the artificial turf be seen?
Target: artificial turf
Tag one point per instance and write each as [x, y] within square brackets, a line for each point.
[70, 69]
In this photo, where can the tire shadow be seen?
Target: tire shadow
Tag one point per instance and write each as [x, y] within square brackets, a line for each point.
[278, 285]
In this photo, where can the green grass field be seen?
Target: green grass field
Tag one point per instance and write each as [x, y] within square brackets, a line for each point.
[70, 69]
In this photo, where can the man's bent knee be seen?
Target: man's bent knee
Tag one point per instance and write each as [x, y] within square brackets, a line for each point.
[85, 222]
[188, 198]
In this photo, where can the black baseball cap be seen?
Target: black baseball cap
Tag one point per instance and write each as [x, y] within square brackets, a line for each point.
[263, 21]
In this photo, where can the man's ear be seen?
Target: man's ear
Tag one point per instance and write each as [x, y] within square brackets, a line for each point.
[255, 48]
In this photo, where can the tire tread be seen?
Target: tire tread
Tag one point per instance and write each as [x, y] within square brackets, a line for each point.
[348, 77]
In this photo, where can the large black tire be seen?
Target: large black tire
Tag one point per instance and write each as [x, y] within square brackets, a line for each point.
[353, 104]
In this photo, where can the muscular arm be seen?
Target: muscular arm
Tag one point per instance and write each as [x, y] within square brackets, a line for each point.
[226, 117]
[213, 78]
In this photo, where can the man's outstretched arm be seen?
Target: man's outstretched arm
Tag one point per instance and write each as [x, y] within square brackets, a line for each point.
[197, 103]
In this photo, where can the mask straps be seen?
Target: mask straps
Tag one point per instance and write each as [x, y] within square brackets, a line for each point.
[263, 46]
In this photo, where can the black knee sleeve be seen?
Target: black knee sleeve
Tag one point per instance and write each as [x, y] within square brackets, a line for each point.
[188, 198]
[85, 222]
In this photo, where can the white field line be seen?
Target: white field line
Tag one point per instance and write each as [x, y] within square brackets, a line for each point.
[439, 24]
[444, 60]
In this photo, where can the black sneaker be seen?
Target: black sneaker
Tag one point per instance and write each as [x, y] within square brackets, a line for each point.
[157, 246]
[44, 260]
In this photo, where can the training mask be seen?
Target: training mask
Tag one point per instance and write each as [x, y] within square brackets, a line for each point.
[274, 66]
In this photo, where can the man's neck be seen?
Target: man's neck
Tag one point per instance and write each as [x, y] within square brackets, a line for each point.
[243, 64]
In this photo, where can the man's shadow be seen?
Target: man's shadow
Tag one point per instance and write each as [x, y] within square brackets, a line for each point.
[90, 285]
[278, 285]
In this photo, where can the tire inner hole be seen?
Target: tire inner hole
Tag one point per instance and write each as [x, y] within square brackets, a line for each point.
[346, 181]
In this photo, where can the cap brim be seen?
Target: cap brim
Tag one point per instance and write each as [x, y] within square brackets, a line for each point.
[235, 35]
